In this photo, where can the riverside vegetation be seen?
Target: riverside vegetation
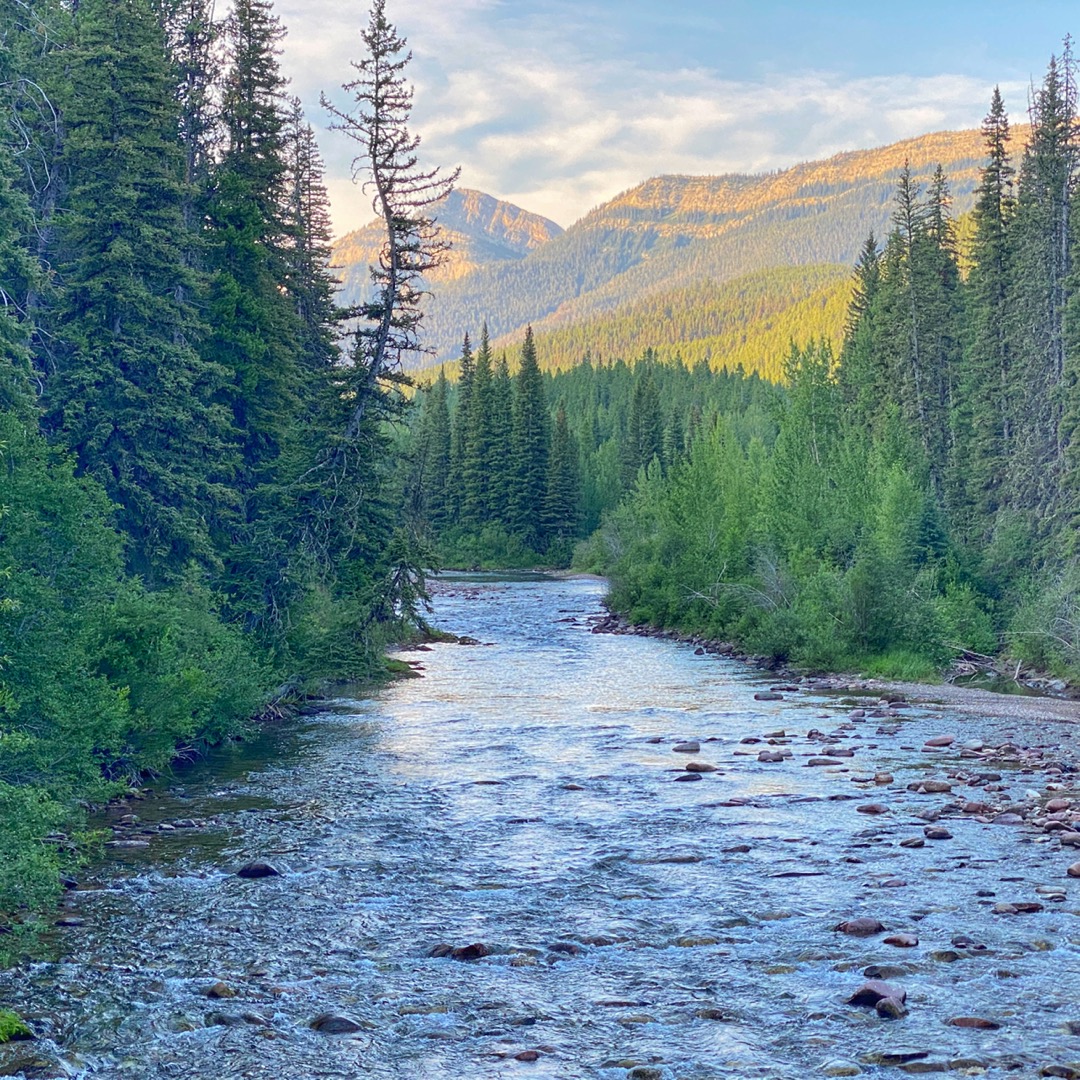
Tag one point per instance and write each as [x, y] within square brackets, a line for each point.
[893, 504]
[194, 519]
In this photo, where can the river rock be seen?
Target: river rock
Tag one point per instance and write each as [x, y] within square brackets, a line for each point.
[333, 1024]
[939, 742]
[874, 990]
[699, 766]
[1008, 819]
[823, 761]
[768, 695]
[913, 842]
[1067, 1072]
[840, 1068]
[527, 1055]
[476, 951]
[255, 870]
[686, 748]
[688, 777]
[1056, 806]
[220, 990]
[873, 808]
[977, 1022]
[934, 787]
[1074, 870]
[937, 832]
[883, 778]
[890, 1009]
[902, 941]
[645, 1072]
[862, 927]
[1069, 839]
[771, 757]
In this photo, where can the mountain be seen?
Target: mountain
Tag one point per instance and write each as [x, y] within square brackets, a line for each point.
[644, 265]
[483, 231]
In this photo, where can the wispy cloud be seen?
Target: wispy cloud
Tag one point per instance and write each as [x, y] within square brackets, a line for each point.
[534, 116]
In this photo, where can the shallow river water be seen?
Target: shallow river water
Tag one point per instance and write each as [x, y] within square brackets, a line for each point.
[524, 795]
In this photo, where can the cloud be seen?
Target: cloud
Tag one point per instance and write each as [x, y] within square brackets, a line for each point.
[531, 115]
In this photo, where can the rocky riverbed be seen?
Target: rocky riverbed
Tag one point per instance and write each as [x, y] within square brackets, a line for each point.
[567, 854]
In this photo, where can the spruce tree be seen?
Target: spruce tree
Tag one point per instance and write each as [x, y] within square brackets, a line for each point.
[530, 448]
[131, 395]
[982, 430]
[562, 503]
[1041, 267]
[478, 451]
[462, 424]
[500, 478]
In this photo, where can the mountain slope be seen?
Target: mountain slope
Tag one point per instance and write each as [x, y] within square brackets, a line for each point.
[677, 233]
[482, 230]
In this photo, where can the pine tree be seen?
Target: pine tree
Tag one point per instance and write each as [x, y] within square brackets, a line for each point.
[256, 333]
[478, 442]
[500, 478]
[1041, 266]
[982, 431]
[403, 194]
[131, 395]
[863, 382]
[562, 503]
[530, 448]
[462, 425]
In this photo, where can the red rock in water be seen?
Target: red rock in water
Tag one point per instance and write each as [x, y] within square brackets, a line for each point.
[860, 927]
[902, 941]
[973, 1022]
[874, 990]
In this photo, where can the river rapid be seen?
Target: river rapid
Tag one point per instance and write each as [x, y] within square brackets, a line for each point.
[524, 796]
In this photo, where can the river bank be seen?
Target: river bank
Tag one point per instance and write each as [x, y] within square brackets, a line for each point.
[576, 855]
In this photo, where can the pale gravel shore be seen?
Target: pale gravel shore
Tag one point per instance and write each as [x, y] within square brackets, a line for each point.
[963, 699]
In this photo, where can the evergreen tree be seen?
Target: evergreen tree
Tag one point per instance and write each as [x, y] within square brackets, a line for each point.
[130, 394]
[644, 438]
[256, 333]
[982, 431]
[1041, 265]
[477, 460]
[530, 448]
[563, 499]
[500, 477]
[459, 447]
[862, 379]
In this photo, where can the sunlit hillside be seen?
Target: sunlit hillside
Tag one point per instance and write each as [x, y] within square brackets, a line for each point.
[648, 267]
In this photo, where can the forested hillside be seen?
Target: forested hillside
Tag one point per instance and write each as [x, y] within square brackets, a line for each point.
[193, 524]
[675, 235]
[920, 498]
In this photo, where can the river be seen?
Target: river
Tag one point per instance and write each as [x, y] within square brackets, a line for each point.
[524, 795]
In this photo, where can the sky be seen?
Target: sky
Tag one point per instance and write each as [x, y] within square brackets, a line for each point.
[558, 106]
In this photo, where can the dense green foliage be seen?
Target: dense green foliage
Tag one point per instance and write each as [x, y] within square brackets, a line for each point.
[193, 524]
[919, 499]
[512, 470]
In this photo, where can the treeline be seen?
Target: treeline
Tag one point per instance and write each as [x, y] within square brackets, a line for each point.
[511, 470]
[192, 523]
[921, 496]
[746, 323]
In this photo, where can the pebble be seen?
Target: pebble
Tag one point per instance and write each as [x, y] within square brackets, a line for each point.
[862, 927]
[874, 990]
[977, 1022]
[890, 1009]
[255, 870]
[332, 1024]
[902, 941]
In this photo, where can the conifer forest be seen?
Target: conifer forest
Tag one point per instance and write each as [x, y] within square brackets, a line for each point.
[251, 470]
